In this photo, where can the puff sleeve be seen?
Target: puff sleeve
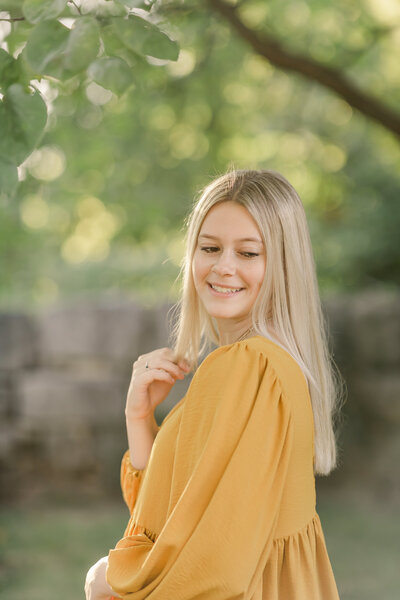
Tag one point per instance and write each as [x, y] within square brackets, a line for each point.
[233, 450]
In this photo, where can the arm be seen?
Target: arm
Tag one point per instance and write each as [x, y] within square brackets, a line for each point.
[141, 436]
[234, 447]
[146, 390]
[148, 387]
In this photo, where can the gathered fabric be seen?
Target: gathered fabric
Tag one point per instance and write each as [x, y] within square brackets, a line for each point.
[225, 508]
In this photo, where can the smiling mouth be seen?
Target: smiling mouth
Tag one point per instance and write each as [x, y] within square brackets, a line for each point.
[222, 291]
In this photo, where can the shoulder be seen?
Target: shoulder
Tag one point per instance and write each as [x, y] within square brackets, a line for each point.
[249, 359]
[251, 349]
[280, 359]
[285, 366]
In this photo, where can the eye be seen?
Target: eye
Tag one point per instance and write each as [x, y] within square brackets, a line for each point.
[207, 248]
[212, 249]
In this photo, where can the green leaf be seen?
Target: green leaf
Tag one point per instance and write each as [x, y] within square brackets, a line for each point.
[146, 4]
[112, 73]
[44, 50]
[23, 118]
[6, 61]
[14, 7]
[9, 69]
[8, 177]
[12, 70]
[83, 44]
[145, 38]
[113, 46]
[42, 10]
[53, 49]
[109, 8]
[17, 36]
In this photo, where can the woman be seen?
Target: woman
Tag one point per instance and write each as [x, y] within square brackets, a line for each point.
[222, 495]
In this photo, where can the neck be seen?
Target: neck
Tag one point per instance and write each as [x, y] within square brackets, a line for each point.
[239, 333]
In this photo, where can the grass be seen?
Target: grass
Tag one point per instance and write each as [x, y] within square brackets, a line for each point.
[363, 545]
[46, 551]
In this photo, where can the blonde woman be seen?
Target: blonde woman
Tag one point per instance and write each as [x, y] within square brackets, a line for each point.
[222, 495]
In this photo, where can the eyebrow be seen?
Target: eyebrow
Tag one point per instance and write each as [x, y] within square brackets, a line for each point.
[214, 237]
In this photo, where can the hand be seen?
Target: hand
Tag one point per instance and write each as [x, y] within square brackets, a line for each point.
[96, 586]
[149, 387]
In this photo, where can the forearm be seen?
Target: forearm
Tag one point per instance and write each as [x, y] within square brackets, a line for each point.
[141, 435]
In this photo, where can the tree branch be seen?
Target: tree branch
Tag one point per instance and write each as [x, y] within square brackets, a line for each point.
[77, 7]
[309, 68]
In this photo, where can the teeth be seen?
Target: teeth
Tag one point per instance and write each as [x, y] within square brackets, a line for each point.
[224, 290]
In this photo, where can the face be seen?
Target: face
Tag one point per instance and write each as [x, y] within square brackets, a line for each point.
[225, 258]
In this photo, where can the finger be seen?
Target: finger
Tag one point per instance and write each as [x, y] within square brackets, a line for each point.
[184, 364]
[163, 354]
[155, 355]
[181, 362]
[166, 352]
[174, 368]
[168, 366]
[158, 375]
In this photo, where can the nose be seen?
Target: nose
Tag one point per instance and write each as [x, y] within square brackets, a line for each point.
[224, 264]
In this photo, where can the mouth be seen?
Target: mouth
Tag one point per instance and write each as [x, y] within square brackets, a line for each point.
[223, 291]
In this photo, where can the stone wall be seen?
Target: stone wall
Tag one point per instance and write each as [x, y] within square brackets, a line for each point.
[64, 375]
[365, 336]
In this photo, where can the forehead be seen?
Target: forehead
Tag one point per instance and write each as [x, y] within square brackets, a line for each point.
[230, 219]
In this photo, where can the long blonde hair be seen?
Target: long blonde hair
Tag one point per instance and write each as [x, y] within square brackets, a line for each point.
[288, 299]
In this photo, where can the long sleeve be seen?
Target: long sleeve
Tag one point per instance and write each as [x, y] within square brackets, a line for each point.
[130, 481]
[233, 449]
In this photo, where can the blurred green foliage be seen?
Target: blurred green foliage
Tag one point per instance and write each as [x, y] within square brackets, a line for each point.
[60, 39]
[132, 137]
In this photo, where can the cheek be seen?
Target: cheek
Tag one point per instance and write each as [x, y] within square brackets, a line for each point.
[199, 268]
[258, 276]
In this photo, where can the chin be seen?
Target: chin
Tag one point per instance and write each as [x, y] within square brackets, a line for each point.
[236, 313]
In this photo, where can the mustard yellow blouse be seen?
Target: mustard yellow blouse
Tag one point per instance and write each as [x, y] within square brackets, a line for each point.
[225, 508]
